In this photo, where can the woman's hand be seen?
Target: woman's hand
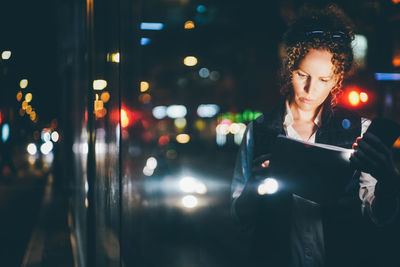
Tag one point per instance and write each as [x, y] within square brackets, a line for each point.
[374, 157]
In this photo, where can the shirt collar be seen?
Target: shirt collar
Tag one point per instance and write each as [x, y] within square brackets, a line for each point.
[288, 118]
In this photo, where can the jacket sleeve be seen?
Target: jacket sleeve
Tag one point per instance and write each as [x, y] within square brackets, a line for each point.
[242, 170]
[367, 191]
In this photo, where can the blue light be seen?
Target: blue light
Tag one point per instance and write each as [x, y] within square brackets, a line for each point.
[144, 41]
[154, 26]
[346, 124]
[201, 9]
[5, 132]
[387, 76]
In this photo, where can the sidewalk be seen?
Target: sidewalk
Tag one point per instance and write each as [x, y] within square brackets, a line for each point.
[49, 245]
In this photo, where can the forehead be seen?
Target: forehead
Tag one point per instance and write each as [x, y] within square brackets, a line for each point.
[317, 63]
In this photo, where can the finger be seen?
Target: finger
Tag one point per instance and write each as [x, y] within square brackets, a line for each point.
[265, 164]
[376, 143]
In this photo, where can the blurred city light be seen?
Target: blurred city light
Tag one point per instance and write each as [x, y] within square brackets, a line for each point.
[5, 132]
[144, 41]
[19, 96]
[105, 97]
[222, 128]
[396, 60]
[148, 171]
[360, 48]
[55, 136]
[207, 110]
[46, 147]
[159, 112]
[23, 83]
[28, 109]
[154, 26]
[99, 84]
[354, 98]
[189, 25]
[387, 76]
[163, 140]
[32, 149]
[200, 125]
[21, 112]
[396, 1]
[214, 75]
[33, 116]
[180, 123]
[268, 186]
[204, 73]
[363, 97]
[144, 86]
[24, 105]
[151, 162]
[183, 138]
[201, 9]
[6, 55]
[28, 97]
[46, 136]
[145, 98]
[124, 118]
[189, 201]
[190, 184]
[115, 57]
[176, 111]
[190, 61]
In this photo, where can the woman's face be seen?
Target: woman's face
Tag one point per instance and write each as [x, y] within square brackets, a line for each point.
[313, 80]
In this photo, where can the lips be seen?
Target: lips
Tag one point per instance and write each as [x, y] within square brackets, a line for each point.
[306, 100]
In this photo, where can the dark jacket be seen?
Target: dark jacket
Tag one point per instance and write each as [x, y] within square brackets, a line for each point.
[344, 227]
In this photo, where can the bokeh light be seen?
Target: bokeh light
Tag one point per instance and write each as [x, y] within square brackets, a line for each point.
[19, 96]
[32, 149]
[105, 97]
[183, 138]
[189, 201]
[23, 83]
[144, 86]
[268, 186]
[190, 61]
[99, 84]
[354, 98]
[363, 97]
[5, 55]
[189, 25]
[28, 97]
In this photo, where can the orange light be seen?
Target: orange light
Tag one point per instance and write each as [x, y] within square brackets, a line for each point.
[397, 143]
[396, 60]
[124, 118]
[189, 25]
[396, 1]
[363, 97]
[354, 98]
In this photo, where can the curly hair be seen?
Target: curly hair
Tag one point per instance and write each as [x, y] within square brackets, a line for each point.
[324, 29]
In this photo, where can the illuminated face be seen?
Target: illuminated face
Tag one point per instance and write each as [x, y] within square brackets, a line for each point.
[313, 80]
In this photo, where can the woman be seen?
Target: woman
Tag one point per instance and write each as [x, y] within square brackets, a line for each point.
[288, 229]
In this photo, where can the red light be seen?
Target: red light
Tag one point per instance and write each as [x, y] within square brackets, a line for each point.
[124, 118]
[363, 97]
[163, 140]
[0, 117]
[354, 98]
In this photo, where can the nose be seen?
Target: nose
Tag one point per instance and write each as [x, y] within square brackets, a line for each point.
[309, 85]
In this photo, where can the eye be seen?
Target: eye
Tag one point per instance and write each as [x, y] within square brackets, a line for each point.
[325, 80]
[301, 75]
